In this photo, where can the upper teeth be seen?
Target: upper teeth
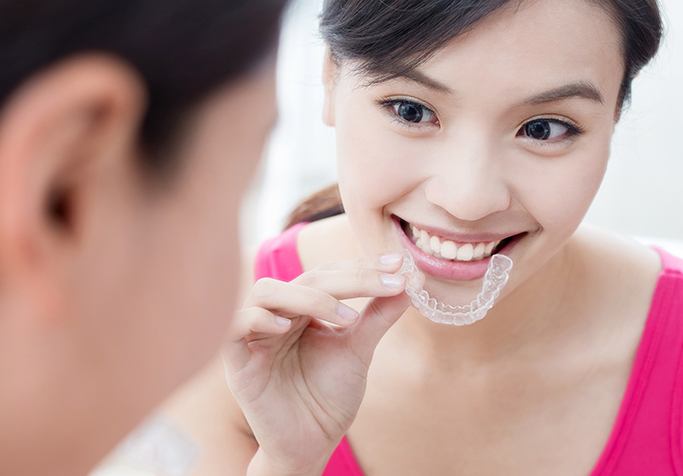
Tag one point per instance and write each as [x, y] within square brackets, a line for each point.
[447, 249]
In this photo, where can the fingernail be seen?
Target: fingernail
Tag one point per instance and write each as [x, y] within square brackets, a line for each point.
[346, 313]
[392, 281]
[282, 322]
[390, 259]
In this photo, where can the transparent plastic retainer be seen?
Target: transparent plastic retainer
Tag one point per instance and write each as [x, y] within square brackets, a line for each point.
[495, 279]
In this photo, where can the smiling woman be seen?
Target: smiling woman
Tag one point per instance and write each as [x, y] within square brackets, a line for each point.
[464, 130]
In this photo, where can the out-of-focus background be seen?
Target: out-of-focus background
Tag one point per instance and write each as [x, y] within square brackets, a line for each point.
[642, 194]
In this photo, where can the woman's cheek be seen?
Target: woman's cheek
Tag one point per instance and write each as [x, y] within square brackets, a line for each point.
[558, 194]
[376, 161]
[374, 170]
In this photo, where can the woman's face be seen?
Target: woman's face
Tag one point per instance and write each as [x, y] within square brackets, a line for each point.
[504, 131]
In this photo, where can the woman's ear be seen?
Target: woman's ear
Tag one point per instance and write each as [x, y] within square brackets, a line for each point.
[330, 76]
[60, 132]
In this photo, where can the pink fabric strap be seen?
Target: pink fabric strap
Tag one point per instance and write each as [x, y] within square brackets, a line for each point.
[278, 257]
[343, 462]
[645, 437]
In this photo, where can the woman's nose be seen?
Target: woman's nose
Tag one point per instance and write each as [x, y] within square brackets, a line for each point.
[467, 182]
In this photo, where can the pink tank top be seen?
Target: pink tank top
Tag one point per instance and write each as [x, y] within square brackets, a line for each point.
[647, 436]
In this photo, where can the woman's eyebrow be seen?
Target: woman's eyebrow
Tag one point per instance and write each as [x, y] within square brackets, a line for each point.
[579, 89]
[421, 78]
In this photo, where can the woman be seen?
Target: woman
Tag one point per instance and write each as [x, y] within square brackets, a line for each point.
[463, 129]
[127, 135]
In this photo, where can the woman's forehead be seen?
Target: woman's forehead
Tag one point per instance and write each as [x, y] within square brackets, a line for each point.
[529, 54]
[551, 41]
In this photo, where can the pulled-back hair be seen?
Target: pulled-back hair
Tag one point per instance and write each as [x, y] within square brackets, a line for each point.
[387, 38]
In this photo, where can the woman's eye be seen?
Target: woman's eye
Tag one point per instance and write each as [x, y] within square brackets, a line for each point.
[548, 130]
[412, 112]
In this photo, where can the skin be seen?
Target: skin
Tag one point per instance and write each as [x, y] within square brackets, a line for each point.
[535, 387]
[109, 305]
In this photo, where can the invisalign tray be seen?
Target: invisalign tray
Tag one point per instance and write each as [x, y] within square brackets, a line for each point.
[495, 279]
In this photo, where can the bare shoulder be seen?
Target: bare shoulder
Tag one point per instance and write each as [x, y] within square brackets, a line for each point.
[619, 256]
[623, 270]
[326, 241]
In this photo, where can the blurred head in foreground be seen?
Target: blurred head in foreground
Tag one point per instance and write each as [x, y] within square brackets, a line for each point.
[128, 132]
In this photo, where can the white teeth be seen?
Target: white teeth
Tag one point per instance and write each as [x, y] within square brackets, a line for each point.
[465, 252]
[424, 236]
[479, 250]
[424, 245]
[435, 244]
[450, 250]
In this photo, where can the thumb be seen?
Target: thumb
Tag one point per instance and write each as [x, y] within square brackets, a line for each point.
[378, 316]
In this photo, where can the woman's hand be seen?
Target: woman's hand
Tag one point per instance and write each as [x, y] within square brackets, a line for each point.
[298, 380]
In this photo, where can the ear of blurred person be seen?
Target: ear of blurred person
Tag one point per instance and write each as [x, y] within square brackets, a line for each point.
[70, 125]
[66, 141]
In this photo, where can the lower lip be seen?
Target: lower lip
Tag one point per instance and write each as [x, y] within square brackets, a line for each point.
[447, 269]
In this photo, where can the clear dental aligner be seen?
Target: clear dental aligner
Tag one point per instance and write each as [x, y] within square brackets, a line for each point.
[495, 279]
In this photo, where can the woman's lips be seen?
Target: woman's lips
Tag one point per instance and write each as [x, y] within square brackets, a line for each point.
[449, 269]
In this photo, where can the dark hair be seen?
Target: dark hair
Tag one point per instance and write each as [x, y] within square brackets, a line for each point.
[388, 38]
[183, 49]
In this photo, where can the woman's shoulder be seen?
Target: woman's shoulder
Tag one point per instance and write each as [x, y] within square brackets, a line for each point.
[308, 245]
[617, 253]
[625, 268]
[633, 253]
